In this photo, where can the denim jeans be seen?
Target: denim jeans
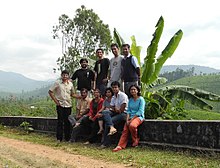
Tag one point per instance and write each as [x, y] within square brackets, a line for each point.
[110, 118]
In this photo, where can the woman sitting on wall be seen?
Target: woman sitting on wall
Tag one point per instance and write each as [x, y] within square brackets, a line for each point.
[135, 116]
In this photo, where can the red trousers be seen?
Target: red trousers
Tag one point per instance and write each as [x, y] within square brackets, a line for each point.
[131, 128]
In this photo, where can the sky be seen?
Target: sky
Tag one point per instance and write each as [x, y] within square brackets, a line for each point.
[27, 46]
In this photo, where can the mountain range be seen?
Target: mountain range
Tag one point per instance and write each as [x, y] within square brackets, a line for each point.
[197, 69]
[17, 83]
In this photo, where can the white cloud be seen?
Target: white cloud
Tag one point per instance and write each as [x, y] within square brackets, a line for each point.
[27, 47]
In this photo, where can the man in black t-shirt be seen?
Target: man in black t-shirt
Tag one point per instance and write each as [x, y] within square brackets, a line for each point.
[85, 77]
[101, 69]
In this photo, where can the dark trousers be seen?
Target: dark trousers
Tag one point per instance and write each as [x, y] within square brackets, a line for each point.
[63, 124]
[86, 124]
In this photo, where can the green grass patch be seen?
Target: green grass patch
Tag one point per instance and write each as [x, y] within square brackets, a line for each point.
[137, 157]
[202, 115]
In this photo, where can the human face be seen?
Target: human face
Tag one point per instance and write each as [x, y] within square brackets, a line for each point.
[64, 77]
[115, 89]
[133, 91]
[84, 94]
[125, 51]
[115, 50]
[99, 54]
[108, 93]
[84, 64]
[96, 94]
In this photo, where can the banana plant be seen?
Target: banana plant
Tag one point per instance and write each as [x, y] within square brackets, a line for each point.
[160, 100]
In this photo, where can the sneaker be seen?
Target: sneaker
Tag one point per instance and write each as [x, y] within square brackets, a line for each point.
[102, 146]
[86, 143]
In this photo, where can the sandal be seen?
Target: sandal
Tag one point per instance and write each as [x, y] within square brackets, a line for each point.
[100, 132]
[112, 131]
[118, 148]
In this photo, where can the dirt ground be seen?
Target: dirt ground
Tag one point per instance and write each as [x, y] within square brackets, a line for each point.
[17, 153]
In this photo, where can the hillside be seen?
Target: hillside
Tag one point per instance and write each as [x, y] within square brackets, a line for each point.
[17, 83]
[209, 83]
[197, 69]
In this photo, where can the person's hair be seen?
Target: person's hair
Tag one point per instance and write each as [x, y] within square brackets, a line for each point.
[99, 49]
[82, 60]
[138, 89]
[126, 45]
[83, 90]
[115, 83]
[114, 45]
[65, 72]
[109, 89]
[97, 90]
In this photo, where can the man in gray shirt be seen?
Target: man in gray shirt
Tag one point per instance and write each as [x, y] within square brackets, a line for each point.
[115, 65]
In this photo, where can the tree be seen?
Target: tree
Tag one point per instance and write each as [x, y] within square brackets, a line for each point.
[80, 37]
[166, 102]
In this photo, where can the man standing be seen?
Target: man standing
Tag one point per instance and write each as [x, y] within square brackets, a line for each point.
[115, 65]
[101, 70]
[61, 93]
[116, 114]
[85, 77]
[130, 69]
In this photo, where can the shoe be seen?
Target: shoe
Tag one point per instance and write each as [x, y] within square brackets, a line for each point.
[102, 147]
[112, 131]
[100, 132]
[118, 148]
[86, 143]
[76, 125]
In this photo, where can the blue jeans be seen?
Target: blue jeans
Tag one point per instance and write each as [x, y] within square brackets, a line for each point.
[110, 118]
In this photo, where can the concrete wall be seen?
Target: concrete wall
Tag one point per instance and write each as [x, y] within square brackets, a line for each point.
[204, 134]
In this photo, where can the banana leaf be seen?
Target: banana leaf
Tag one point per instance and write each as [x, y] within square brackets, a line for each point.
[135, 50]
[117, 38]
[192, 99]
[149, 60]
[197, 92]
[166, 53]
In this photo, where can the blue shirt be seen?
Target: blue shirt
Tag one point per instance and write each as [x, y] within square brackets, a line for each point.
[136, 108]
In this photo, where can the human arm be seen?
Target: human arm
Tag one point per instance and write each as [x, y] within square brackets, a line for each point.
[53, 97]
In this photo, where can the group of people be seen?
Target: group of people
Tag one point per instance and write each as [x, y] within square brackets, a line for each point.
[116, 98]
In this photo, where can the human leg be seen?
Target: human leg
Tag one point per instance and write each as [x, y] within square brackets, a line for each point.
[72, 120]
[59, 133]
[101, 129]
[134, 131]
[67, 125]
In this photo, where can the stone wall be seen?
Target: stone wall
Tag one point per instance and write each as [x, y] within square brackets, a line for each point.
[204, 134]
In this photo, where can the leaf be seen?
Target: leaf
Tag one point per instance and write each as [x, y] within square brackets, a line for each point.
[166, 53]
[117, 38]
[135, 50]
[149, 60]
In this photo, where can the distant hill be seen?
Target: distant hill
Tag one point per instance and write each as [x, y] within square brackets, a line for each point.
[198, 69]
[17, 83]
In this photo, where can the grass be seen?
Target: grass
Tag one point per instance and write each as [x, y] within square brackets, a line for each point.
[202, 115]
[137, 157]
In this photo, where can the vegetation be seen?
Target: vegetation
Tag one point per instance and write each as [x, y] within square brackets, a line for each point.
[80, 37]
[177, 74]
[144, 156]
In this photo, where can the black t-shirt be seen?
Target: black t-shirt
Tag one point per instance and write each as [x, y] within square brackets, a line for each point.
[84, 78]
[101, 68]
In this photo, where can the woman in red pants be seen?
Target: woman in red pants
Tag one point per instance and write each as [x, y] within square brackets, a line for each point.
[135, 116]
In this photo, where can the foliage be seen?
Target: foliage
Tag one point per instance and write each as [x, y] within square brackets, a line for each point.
[80, 37]
[177, 74]
[26, 126]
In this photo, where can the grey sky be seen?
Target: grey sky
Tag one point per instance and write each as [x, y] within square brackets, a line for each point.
[27, 47]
